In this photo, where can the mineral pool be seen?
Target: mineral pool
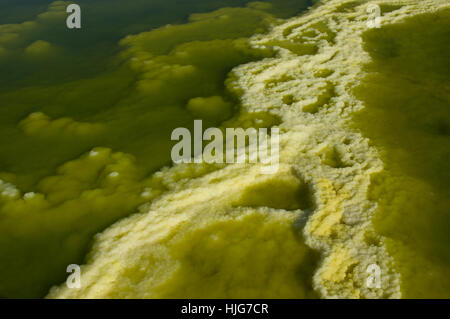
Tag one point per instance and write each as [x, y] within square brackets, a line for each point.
[86, 175]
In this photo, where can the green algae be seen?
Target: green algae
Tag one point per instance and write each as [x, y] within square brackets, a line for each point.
[69, 93]
[191, 242]
[407, 118]
[232, 266]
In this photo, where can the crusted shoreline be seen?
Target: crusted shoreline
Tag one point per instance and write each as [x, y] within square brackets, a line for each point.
[325, 170]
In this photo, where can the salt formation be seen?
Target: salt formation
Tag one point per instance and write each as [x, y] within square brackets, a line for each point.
[229, 231]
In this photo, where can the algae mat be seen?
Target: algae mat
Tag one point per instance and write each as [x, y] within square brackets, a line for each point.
[363, 146]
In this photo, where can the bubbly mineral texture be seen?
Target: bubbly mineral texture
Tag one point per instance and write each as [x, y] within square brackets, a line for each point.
[344, 200]
[78, 150]
[232, 232]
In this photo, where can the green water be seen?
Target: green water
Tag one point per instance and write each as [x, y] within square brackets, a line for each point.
[86, 93]
[407, 93]
[66, 92]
